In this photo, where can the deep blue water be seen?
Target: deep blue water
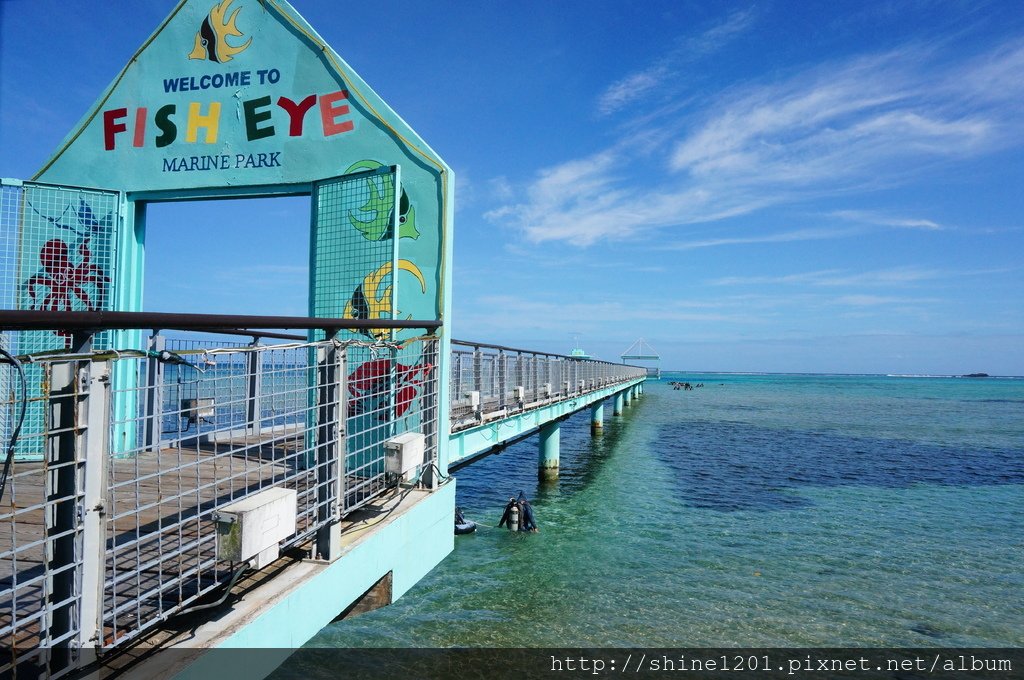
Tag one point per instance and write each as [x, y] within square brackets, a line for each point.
[755, 511]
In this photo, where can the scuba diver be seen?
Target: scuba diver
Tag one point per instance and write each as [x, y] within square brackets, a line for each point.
[519, 515]
[527, 522]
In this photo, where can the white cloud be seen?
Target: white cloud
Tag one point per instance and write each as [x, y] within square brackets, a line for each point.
[869, 217]
[630, 88]
[780, 237]
[866, 123]
[640, 83]
[716, 37]
[880, 300]
[836, 277]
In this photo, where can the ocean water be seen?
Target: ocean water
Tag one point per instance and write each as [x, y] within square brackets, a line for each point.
[758, 510]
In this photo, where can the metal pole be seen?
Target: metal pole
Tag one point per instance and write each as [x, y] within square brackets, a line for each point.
[254, 389]
[62, 500]
[521, 373]
[330, 450]
[478, 371]
[430, 415]
[502, 379]
[94, 536]
[536, 379]
[154, 393]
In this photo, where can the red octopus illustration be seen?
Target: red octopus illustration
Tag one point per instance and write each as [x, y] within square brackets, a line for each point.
[62, 279]
[367, 384]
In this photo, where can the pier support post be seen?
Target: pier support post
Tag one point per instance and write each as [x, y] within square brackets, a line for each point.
[597, 418]
[547, 461]
[618, 404]
[627, 396]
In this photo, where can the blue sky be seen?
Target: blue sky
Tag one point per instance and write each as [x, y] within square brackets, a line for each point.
[768, 186]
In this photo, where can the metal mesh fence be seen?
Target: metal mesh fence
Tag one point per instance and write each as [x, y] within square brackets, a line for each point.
[488, 381]
[354, 247]
[164, 494]
[40, 535]
[57, 253]
[240, 420]
[390, 392]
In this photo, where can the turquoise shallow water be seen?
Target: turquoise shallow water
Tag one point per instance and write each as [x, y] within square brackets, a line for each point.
[759, 510]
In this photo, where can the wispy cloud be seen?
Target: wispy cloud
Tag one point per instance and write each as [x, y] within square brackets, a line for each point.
[556, 315]
[869, 217]
[638, 84]
[881, 300]
[865, 123]
[716, 37]
[896, 276]
[631, 87]
[779, 237]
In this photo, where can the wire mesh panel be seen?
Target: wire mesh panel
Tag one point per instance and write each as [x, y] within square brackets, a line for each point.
[40, 535]
[392, 390]
[355, 254]
[57, 253]
[156, 547]
[508, 380]
[163, 497]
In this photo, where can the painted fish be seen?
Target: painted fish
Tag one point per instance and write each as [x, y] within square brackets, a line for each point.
[374, 218]
[212, 37]
[370, 302]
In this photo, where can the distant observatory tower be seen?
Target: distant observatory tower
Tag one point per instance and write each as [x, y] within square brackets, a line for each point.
[577, 352]
[642, 351]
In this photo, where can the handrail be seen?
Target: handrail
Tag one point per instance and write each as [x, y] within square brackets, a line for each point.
[520, 350]
[234, 324]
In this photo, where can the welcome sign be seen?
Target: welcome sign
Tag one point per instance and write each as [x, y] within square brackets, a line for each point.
[234, 95]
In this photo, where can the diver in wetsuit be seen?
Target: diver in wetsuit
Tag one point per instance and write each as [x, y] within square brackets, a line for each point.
[527, 522]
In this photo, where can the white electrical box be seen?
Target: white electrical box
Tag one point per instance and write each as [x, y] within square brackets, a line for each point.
[474, 400]
[583, 386]
[194, 410]
[520, 393]
[546, 389]
[252, 527]
[403, 454]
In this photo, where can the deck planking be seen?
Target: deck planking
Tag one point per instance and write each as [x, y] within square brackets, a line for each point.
[158, 504]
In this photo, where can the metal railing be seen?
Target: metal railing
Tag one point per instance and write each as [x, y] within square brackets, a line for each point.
[115, 528]
[491, 381]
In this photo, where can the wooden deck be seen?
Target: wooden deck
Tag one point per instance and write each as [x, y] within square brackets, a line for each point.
[161, 536]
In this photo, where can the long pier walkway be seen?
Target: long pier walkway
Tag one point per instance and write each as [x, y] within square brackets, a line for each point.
[501, 394]
[133, 471]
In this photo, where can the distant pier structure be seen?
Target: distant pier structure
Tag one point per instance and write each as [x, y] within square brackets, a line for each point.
[642, 351]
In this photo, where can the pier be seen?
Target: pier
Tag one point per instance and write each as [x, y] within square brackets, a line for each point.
[188, 482]
[119, 527]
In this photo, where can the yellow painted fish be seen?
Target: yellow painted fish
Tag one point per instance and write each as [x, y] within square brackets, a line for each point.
[368, 302]
[212, 37]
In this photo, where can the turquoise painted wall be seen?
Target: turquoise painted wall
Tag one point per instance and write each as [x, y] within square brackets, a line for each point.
[243, 98]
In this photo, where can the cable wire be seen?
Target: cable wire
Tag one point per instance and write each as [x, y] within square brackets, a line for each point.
[9, 457]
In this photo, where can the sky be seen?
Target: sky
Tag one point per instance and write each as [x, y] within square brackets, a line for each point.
[770, 186]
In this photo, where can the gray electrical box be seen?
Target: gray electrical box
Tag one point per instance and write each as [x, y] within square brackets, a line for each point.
[403, 454]
[252, 527]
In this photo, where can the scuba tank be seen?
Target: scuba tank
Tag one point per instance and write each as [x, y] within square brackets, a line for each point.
[513, 518]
